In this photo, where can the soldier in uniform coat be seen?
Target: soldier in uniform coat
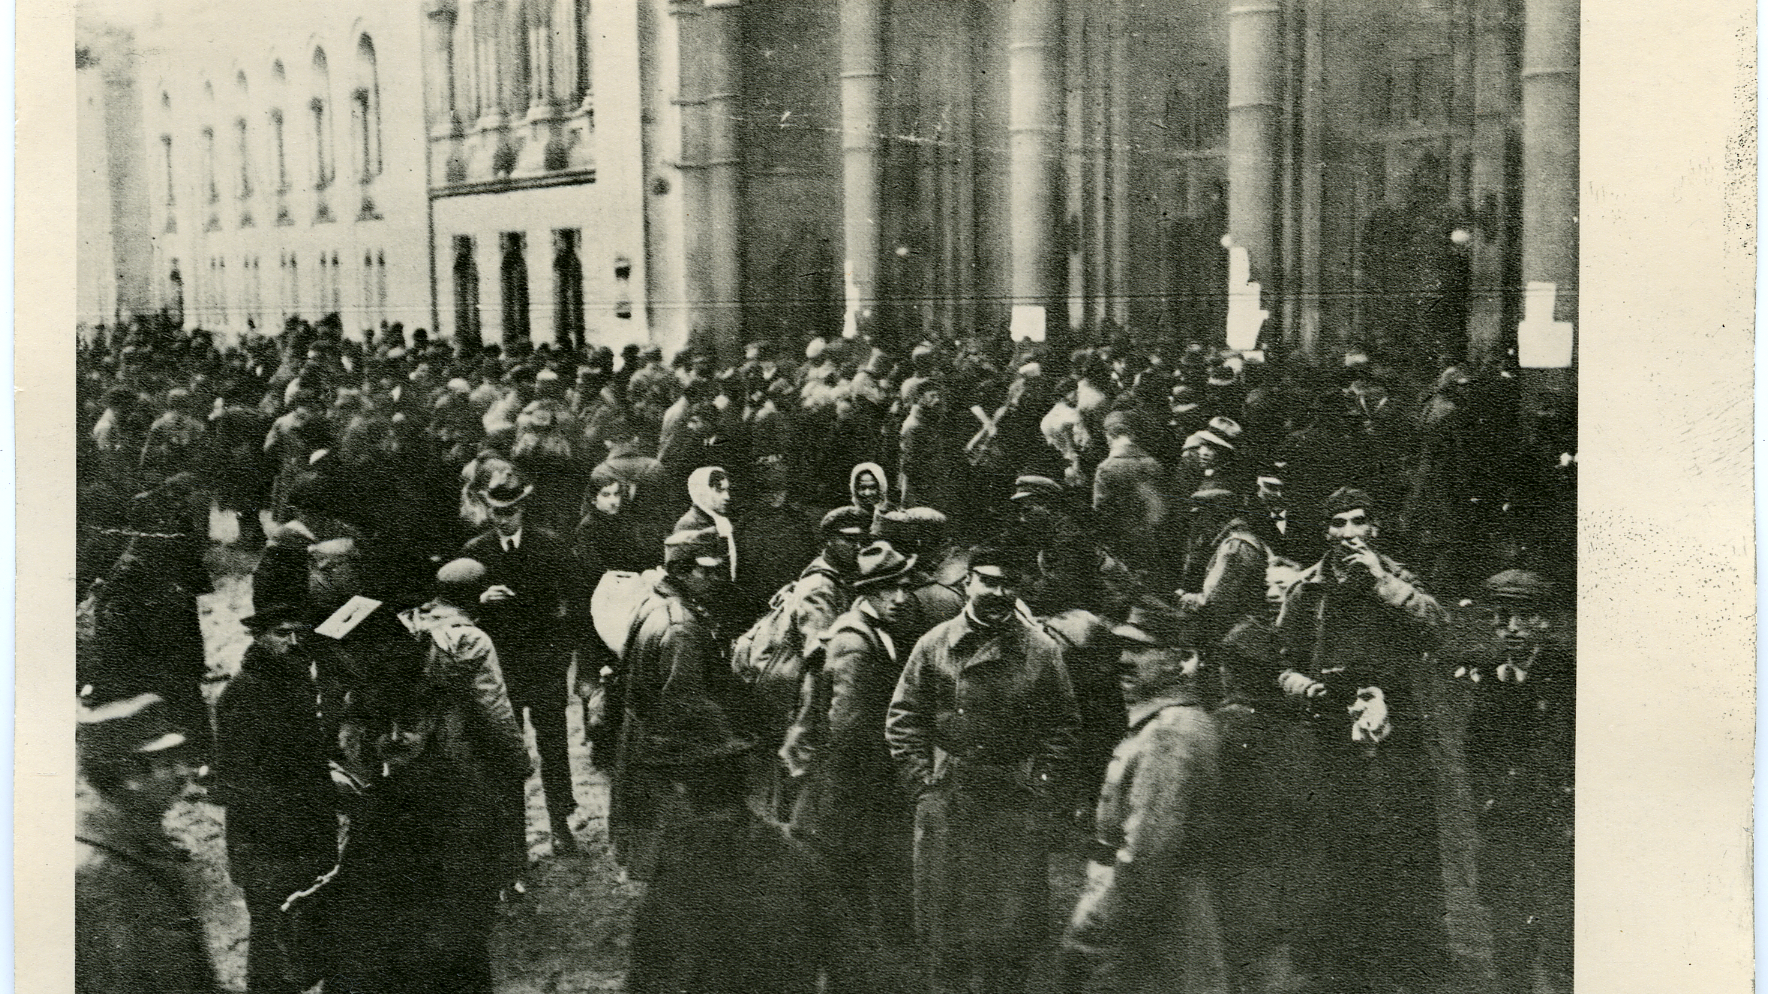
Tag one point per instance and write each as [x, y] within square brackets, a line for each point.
[982, 726]
[136, 927]
[1147, 919]
[674, 659]
[1353, 631]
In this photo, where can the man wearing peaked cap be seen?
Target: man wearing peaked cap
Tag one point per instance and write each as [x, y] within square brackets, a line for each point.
[137, 928]
[1038, 488]
[850, 810]
[982, 726]
[676, 693]
[1148, 911]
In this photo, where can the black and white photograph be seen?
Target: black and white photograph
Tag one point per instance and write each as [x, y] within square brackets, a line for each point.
[828, 496]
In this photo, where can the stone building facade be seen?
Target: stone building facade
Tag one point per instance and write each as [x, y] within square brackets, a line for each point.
[1396, 173]
[534, 143]
[283, 176]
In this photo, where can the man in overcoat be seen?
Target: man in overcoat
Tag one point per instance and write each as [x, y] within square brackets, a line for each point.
[136, 927]
[526, 609]
[1521, 735]
[674, 660]
[273, 747]
[1147, 919]
[1353, 630]
[982, 726]
[851, 810]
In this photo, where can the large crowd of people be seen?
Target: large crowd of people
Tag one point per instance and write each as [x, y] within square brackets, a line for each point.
[863, 639]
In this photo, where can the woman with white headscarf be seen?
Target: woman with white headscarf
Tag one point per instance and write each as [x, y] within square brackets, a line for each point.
[709, 487]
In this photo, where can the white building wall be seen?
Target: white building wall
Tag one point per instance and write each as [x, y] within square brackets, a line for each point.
[189, 81]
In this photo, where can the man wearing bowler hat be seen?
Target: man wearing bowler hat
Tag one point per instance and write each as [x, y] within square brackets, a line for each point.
[526, 609]
[982, 727]
[1147, 920]
[1352, 633]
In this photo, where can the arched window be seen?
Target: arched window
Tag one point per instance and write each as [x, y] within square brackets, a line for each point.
[277, 149]
[319, 106]
[211, 188]
[366, 111]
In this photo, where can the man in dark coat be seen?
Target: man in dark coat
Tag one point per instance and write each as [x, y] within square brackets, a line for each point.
[1353, 631]
[526, 609]
[1130, 496]
[271, 772]
[981, 727]
[1520, 745]
[727, 910]
[675, 660]
[135, 925]
[851, 810]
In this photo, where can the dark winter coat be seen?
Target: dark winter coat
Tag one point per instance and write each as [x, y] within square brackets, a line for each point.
[271, 771]
[136, 928]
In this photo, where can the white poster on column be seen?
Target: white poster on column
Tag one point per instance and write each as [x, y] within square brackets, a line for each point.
[1028, 323]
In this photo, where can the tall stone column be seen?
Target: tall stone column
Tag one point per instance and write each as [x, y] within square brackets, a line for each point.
[542, 98]
[1032, 148]
[724, 180]
[439, 18]
[488, 61]
[1550, 179]
[861, 167]
[1494, 102]
[1255, 44]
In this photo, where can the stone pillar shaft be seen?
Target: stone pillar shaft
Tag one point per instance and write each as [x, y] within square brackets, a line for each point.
[1032, 149]
[1255, 43]
[861, 167]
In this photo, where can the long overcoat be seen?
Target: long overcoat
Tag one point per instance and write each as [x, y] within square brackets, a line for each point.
[982, 727]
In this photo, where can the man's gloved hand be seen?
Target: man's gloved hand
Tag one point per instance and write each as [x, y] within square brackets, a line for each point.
[1370, 713]
[1300, 685]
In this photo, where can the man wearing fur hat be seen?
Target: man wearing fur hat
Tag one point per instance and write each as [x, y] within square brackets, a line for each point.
[1147, 919]
[1520, 743]
[1353, 630]
[982, 727]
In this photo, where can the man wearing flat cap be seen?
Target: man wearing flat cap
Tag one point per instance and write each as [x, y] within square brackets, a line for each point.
[526, 607]
[675, 664]
[1521, 734]
[1352, 633]
[1147, 918]
[136, 926]
[462, 658]
[982, 727]
[851, 809]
